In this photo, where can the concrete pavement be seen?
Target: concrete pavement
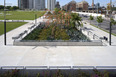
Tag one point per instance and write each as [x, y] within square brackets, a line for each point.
[56, 55]
[17, 20]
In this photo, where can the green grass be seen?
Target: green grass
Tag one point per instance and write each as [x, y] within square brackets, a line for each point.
[103, 30]
[10, 26]
[21, 15]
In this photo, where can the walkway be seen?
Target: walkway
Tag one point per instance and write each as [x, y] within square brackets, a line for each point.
[100, 33]
[16, 20]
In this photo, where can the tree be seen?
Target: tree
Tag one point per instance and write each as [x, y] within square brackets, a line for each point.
[91, 18]
[15, 7]
[114, 8]
[1, 7]
[56, 10]
[75, 18]
[113, 21]
[8, 7]
[100, 20]
[49, 13]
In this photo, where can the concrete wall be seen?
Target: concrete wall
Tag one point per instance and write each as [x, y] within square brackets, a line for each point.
[18, 43]
[93, 14]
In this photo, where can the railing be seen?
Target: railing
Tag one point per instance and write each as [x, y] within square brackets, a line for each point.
[25, 32]
[57, 67]
[49, 71]
[91, 34]
[13, 20]
[57, 41]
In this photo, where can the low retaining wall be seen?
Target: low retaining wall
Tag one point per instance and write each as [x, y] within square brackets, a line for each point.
[18, 43]
[93, 14]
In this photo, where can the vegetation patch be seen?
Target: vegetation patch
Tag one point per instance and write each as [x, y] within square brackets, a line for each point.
[10, 26]
[21, 15]
[60, 26]
[58, 73]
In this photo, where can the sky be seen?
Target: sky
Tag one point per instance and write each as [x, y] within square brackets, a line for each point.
[62, 2]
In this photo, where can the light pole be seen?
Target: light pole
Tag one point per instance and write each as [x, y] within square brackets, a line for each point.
[97, 12]
[110, 30]
[35, 12]
[4, 22]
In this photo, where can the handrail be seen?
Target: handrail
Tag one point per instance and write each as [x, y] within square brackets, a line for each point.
[57, 41]
[57, 67]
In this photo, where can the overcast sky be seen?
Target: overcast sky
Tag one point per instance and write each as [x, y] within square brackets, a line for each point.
[62, 2]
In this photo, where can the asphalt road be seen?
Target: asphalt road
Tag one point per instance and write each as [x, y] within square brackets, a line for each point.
[104, 25]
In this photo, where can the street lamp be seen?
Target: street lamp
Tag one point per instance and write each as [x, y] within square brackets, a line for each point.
[97, 12]
[4, 22]
[35, 13]
[110, 30]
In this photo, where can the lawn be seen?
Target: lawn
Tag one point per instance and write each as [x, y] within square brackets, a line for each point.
[10, 26]
[21, 15]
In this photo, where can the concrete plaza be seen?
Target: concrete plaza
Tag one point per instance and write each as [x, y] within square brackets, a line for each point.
[56, 55]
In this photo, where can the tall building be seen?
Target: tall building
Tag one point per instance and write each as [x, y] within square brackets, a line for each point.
[31, 4]
[23, 4]
[51, 4]
[39, 4]
[57, 5]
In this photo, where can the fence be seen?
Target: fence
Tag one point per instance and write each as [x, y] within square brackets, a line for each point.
[57, 67]
[24, 33]
[67, 71]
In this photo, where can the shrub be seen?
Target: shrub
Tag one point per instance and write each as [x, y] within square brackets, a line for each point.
[100, 19]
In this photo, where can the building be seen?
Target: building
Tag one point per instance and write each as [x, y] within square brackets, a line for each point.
[95, 7]
[65, 7]
[51, 4]
[82, 6]
[71, 6]
[31, 4]
[23, 4]
[57, 5]
[39, 4]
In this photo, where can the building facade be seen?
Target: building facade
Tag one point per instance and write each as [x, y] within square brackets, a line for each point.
[57, 5]
[51, 4]
[71, 6]
[23, 4]
[82, 6]
[31, 4]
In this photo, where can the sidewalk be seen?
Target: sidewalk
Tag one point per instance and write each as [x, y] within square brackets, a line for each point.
[16, 31]
[16, 20]
[100, 33]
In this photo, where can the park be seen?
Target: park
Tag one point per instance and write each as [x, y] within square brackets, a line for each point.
[45, 41]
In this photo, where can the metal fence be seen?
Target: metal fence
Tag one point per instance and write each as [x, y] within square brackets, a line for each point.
[32, 71]
[57, 67]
